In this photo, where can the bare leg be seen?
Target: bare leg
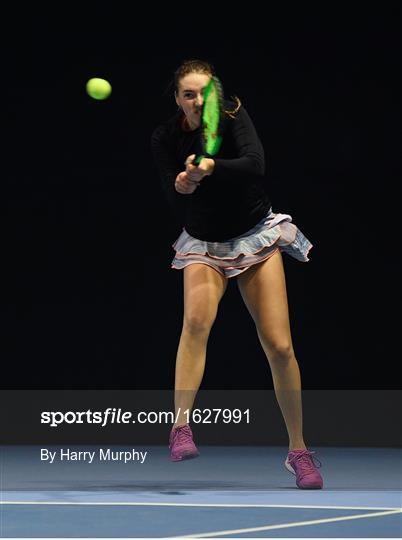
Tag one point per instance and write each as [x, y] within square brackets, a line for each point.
[263, 289]
[203, 290]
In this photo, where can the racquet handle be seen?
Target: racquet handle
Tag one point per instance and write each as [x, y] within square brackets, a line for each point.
[197, 159]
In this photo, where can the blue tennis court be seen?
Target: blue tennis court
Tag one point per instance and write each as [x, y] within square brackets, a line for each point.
[229, 492]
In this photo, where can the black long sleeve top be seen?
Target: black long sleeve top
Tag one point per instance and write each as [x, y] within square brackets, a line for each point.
[234, 198]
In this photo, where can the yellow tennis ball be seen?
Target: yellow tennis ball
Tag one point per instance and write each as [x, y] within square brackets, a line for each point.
[98, 88]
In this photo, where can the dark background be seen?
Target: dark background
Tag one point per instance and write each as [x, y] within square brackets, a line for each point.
[88, 296]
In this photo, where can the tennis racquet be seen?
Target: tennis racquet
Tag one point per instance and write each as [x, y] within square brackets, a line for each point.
[211, 118]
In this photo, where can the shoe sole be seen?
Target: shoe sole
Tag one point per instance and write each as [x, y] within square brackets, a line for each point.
[289, 467]
[185, 457]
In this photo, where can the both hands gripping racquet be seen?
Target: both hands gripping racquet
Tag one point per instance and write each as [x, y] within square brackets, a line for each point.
[211, 118]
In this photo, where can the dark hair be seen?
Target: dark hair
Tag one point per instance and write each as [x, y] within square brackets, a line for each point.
[192, 66]
[200, 66]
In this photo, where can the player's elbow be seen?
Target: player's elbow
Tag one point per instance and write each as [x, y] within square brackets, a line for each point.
[256, 163]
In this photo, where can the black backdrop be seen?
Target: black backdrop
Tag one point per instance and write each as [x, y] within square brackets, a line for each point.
[88, 297]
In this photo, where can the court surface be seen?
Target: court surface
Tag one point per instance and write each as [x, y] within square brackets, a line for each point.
[228, 492]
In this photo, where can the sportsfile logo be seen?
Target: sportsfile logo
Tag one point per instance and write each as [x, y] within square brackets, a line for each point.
[114, 415]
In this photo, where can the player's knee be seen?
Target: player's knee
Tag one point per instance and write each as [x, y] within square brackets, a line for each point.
[198, 323]
[280, 350]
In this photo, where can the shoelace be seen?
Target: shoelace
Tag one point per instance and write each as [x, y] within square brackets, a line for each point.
[181, 434]
[306, 462]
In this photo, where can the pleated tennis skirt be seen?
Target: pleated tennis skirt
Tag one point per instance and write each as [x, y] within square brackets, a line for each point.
[234, 256]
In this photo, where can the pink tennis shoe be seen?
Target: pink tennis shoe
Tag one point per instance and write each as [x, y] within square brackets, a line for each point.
[298, 462]
[301, 463]
[181, 444]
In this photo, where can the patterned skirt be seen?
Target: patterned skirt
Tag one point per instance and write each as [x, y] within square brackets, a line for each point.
[234, 256]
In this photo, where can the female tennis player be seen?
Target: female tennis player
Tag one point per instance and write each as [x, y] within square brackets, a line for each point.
[229, 231]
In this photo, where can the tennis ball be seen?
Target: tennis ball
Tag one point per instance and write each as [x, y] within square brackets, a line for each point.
[98, 88]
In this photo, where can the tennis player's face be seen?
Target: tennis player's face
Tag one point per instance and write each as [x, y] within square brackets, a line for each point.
[190, 96]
